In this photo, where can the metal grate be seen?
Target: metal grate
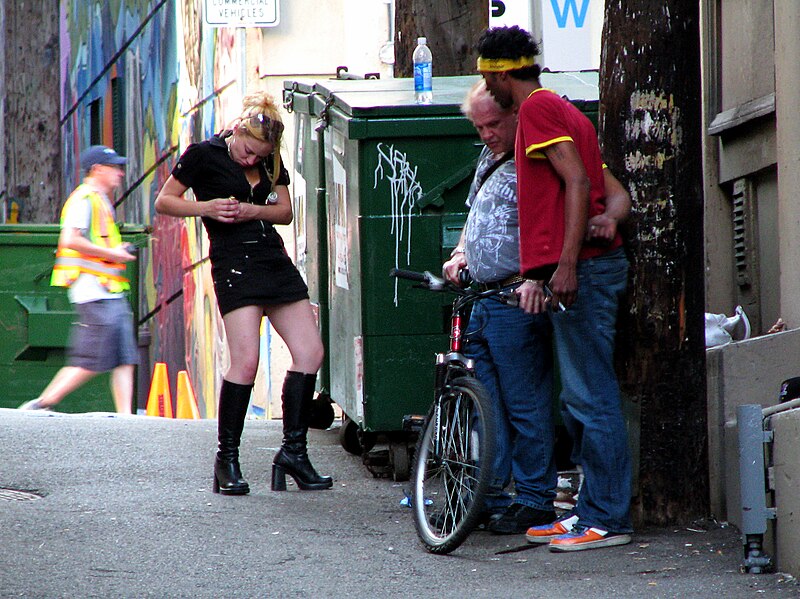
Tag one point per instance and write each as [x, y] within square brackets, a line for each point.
[742, 232]
[15, 495]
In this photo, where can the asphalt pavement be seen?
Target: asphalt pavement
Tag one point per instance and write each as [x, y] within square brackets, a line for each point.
[96, 505]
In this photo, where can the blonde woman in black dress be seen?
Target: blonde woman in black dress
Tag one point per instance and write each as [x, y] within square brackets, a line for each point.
[241, 191]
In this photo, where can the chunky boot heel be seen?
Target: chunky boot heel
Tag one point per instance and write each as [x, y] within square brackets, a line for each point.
[228, 478]
[278, 478]
[233, 402]
[292, 457]
[301, 470]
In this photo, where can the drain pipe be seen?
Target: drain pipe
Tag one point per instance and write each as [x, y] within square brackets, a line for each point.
[752, 486]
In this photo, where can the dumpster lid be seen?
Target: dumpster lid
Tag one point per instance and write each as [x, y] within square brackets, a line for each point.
[395, 97]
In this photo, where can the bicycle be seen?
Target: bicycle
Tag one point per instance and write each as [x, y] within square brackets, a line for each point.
[455, 451]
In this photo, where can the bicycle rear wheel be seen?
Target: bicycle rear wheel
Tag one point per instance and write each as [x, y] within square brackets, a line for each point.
[451, 480]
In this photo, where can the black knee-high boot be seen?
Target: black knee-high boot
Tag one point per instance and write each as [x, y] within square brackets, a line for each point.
[233, 402]
[292, 458]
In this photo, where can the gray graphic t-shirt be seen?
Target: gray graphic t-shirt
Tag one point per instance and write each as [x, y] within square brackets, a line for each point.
[492, 229]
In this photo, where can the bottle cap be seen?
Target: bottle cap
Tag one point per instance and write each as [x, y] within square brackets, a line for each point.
[422, 40]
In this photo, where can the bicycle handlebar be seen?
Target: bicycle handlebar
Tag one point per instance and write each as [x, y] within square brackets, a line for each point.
[434, 283]
[409, 275]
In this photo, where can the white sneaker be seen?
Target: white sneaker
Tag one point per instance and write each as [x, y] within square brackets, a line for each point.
[34, 404]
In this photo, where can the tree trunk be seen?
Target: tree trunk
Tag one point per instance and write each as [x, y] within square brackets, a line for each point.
[31, 173]
[452, 28]
[650, 122]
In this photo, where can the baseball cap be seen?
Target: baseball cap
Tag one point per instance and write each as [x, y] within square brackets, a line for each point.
[100, 155]
[790, 389]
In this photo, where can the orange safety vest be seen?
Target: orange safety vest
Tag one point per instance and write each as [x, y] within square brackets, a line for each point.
[103, 231]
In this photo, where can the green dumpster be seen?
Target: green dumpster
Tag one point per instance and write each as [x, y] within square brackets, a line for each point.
[386, 180]
[36, 317]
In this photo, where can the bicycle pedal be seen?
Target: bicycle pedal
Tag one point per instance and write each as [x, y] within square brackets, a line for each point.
[413, 423]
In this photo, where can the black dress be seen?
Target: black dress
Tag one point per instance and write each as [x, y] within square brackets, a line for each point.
[249, 263]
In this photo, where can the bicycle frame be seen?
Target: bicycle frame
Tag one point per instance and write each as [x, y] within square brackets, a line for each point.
[451, 365]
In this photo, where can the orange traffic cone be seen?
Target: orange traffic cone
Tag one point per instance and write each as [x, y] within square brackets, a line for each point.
[187, 403]
[159, 402]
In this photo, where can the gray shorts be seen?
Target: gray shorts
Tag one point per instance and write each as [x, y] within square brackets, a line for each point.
[103, 338]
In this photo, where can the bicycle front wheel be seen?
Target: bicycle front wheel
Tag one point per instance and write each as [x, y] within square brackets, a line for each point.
[453, 465]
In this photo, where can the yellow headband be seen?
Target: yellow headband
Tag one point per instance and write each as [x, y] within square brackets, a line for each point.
[495, 65]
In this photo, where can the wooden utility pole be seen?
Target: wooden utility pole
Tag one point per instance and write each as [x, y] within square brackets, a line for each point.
[650, 123]
[452, 28]
[30, 168]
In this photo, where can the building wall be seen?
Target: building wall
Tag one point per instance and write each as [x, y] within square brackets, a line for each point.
[741, 160]
[751, 95]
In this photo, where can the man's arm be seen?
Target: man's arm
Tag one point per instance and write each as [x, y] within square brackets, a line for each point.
[73, 239]
[603, 227]
[566, 161]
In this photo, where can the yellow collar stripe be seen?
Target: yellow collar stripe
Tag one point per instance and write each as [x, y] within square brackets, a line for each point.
[496, 65]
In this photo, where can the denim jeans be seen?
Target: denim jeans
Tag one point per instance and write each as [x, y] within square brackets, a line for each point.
[584, 341]
[514, 360]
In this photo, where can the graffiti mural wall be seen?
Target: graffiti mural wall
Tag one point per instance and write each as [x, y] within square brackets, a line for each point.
[148, 78]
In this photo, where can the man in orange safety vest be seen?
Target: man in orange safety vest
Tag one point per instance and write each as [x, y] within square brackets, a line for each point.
[90, 261]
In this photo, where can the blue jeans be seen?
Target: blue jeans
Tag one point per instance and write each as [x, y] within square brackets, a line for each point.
[514, 360]
[584, 341]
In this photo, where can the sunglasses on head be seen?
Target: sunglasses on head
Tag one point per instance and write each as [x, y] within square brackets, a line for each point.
[271, 129]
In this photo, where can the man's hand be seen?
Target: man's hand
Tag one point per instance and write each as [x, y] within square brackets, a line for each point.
[602, 229]
[120, 254]
[532, 298]
[453, 266]
[564, 285]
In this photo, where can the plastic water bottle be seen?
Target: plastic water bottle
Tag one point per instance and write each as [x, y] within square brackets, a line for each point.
[423, 72]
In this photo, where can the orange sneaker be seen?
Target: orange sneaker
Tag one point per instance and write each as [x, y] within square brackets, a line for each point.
[547, 532]
[584, 537]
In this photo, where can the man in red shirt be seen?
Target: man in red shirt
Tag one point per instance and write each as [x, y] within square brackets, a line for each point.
[561, 196]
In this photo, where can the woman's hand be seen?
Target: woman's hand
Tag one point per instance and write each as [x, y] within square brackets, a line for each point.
[225, 210]
[248, 212]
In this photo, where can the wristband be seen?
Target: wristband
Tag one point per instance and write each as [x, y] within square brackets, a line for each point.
[457, 250]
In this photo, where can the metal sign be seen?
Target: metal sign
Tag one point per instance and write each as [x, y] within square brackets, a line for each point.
[241, 13]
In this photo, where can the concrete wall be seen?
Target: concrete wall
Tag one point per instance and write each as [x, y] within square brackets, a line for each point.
[786, 481]
[744, 372]
[751, 372]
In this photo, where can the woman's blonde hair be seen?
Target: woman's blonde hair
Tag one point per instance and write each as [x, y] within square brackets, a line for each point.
[261, 119]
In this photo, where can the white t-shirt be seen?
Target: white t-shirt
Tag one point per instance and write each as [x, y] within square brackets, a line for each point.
[86, 288]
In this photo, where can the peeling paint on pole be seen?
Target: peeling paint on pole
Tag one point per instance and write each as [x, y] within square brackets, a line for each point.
[650, 126]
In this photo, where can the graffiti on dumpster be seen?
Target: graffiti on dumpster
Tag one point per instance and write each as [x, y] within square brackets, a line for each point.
[393, 166]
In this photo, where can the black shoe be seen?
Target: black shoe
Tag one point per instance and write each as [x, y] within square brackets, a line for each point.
[485, 519]
[519, 518]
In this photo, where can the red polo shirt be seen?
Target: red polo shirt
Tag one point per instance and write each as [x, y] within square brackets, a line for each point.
[545, 119]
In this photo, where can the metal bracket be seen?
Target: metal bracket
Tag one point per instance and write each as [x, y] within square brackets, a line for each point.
[288, 98]
[752, 487]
